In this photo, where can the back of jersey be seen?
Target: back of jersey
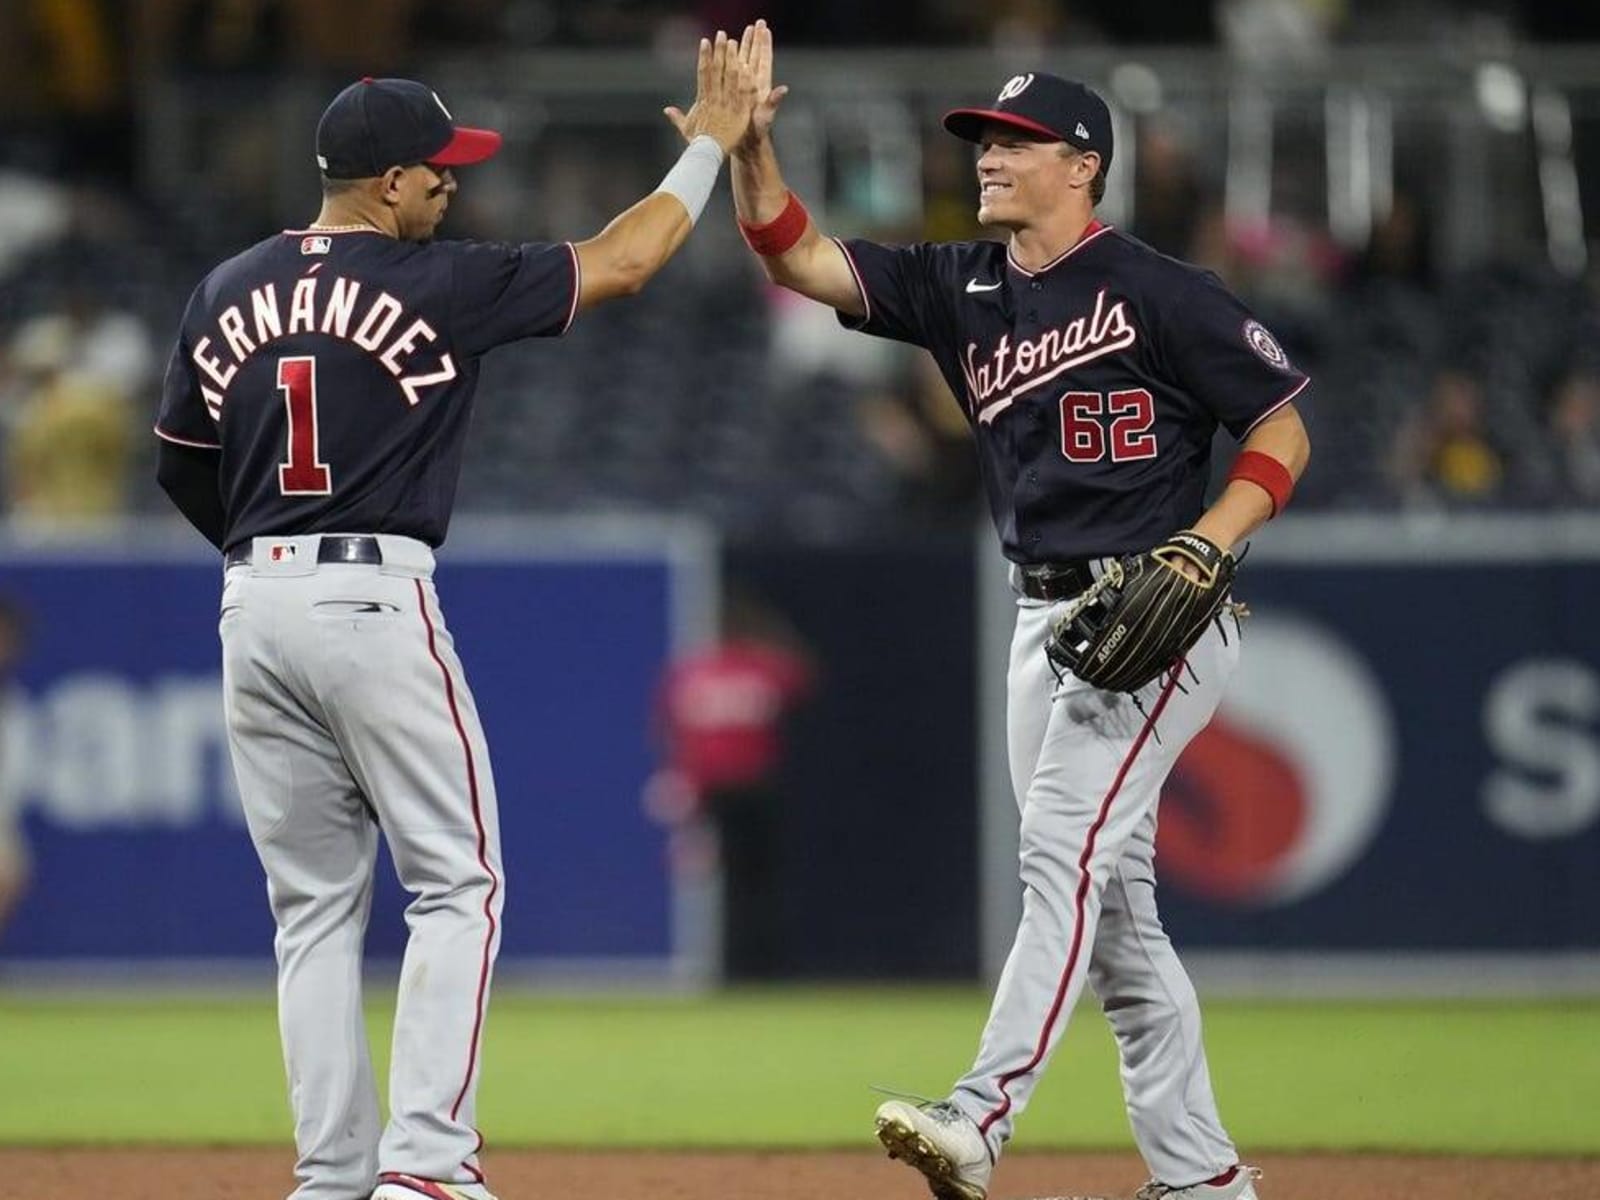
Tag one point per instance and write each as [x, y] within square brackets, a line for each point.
[334, 370]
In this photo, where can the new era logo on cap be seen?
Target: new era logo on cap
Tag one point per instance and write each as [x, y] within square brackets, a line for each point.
[1046, 106]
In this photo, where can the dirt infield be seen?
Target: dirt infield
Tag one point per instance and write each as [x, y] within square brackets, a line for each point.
[93, 1174]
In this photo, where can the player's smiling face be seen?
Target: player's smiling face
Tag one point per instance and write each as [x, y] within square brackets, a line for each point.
[1021, 178]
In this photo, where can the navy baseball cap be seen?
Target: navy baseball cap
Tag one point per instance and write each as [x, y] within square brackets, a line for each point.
[1048, 106]
[376, 124]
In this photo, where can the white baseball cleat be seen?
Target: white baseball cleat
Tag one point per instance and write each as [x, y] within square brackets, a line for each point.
[392, 1185]
[1235, 1184]
[940, 1141]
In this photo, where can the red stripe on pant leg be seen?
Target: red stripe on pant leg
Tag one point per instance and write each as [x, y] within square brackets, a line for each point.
[1077, 911]
[483, 860]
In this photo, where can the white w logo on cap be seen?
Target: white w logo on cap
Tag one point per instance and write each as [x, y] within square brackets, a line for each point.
[1014, 87]
[440, 103]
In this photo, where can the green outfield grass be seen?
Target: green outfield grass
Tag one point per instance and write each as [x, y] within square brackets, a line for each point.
[793, 1068]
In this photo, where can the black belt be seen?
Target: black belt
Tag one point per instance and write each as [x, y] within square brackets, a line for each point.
[1055, 581]
[345, 548]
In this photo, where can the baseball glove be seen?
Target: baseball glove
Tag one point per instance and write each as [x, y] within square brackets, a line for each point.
[1142, 615]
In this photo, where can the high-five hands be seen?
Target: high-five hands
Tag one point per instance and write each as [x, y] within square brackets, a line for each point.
[755, 52]
[725, 94]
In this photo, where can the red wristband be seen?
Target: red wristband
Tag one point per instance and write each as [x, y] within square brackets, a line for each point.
[778, 235]
[1268, 474]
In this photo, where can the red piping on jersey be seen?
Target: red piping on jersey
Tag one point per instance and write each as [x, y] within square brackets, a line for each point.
[860, 286]
[1077, 905]
[1298, 388]
[483, 861]
[167, 437]
[1091, 231]
[577, 287]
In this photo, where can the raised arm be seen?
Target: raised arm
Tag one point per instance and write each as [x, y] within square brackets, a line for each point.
[771, 217]
[627, 253]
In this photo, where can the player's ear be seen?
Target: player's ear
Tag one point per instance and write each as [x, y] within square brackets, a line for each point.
[1082, 167]
[389, 185]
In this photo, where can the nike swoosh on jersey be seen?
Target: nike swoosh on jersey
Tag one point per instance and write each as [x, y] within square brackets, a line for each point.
[973, 287]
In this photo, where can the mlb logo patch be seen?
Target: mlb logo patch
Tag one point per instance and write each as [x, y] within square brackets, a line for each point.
[315, 245]
[282, 552]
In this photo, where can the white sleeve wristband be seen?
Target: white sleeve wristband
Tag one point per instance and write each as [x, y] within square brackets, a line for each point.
[694, 175]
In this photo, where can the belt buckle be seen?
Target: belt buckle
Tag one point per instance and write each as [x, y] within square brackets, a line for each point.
[350, 550]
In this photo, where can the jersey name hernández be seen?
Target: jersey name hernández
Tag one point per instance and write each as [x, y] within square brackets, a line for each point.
[1093, 384]
[378, 323]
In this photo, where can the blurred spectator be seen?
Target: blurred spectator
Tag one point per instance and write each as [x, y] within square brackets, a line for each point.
[67, 457]
[64, 89]
[1399, 249]
[1444, 454]
[949, 190]
[721, 716]
[1566, 470]
[33, 213]
[14, 865]
[109, 347]
[68, 443]
[919, 428]
[1279, 263]
[806, 344]
[75, 375]
[1167, 198]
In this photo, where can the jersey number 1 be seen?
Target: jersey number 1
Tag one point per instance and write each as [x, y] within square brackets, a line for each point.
[303, 474]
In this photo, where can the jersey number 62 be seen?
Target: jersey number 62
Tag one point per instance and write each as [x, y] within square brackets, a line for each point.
[1090, 421]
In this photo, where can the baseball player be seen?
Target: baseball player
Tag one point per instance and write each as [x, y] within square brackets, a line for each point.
[1093, 372]
[312, 425]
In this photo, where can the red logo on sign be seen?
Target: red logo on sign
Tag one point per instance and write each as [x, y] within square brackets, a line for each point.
[1283, 794]
[1233, 809]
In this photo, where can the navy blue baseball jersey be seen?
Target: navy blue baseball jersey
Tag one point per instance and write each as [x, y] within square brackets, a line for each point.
[1093, 385]
[335, 372]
